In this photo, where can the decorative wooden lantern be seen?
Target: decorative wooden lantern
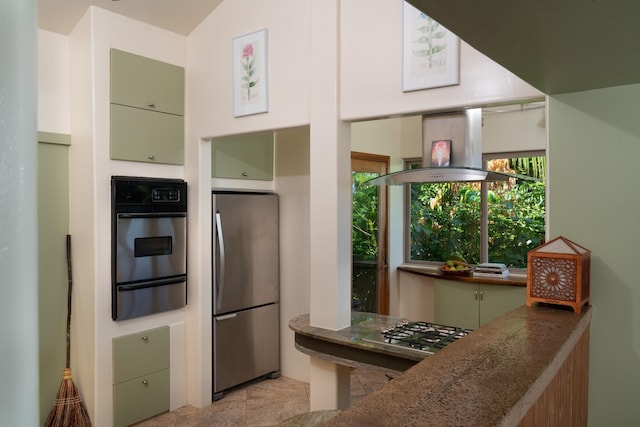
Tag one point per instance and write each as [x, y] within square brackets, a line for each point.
[558, 273]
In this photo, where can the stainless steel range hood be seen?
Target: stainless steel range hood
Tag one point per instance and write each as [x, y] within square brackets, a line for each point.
[464, 156]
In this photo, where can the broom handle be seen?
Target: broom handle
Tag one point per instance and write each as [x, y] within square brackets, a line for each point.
[69, 301]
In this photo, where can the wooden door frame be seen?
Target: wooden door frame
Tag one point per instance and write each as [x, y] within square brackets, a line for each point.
[383, 226]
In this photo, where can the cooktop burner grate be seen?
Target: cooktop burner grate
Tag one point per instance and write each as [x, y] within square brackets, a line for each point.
[424, 337]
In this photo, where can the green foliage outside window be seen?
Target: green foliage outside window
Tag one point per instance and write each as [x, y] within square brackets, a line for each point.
[446, 217]
[364, 233]
[364, 226]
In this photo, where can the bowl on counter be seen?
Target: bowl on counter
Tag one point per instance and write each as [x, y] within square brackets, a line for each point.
[461, 272]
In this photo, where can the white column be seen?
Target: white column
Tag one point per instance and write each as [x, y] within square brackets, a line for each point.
[19, 393]
[330, 385]
[330, 201]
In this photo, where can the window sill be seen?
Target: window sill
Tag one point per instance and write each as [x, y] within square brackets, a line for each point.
[514, 279]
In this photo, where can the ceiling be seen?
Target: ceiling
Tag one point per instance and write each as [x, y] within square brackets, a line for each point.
[178, 16]
[557, 46]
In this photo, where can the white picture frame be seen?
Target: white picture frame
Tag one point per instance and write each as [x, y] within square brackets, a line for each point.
[250, 65]
[431, 53]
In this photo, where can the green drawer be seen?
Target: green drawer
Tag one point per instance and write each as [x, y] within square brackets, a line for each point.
[140, 354]
[140, 398]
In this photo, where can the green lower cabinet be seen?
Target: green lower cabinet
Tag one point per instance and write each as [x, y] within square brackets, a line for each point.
[140, 398]
[471, 305]
[140, 376]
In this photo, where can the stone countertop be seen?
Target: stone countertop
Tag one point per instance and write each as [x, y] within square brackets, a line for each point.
[490, 377]
[341, 346]
[430, 271]
[364, 326]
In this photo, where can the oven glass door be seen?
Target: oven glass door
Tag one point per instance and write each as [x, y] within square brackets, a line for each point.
[150, 246]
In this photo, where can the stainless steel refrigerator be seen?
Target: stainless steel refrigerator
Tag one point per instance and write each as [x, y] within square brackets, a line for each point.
[246, 316]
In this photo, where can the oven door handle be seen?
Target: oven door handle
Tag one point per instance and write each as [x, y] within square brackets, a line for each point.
[153, 215]
[220, 239]
[151, 284]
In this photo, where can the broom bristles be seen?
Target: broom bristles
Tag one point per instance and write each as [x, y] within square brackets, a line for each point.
[68, 408]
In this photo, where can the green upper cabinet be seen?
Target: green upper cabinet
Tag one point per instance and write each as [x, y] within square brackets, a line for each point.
[243, 157]
[147, 109]
[145, 83]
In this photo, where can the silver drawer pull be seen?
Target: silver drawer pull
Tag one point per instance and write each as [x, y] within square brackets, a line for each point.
[145, 338]
[145, 382]
[151, 104]
[244, 174]
[151, 157]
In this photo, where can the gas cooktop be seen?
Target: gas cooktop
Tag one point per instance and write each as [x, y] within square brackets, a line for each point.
[423, 337]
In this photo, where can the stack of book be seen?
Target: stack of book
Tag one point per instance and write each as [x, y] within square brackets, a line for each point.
[492, 270]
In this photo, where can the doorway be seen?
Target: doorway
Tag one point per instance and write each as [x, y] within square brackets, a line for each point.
[369, 234]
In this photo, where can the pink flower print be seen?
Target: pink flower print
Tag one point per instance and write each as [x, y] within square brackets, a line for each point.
[247, 51]
[249, 67]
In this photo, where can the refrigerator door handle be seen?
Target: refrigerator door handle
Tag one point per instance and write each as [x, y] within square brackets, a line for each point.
[226, 317]
[220, 286]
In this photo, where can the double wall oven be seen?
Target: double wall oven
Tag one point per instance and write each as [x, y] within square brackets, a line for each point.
[149, 246]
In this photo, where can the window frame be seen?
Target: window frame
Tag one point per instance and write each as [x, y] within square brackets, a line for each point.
[484, 226]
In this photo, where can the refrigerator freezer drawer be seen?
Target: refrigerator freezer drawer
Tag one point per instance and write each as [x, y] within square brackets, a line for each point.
[246, 345]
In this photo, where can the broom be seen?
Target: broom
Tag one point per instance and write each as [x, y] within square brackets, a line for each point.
[68, 408]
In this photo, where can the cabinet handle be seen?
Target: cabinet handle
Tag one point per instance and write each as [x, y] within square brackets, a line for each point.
[145, 338]
[145, 382]
[476, 295]
[151, 104]
[151, 157]
[481, 294]
[244, 174]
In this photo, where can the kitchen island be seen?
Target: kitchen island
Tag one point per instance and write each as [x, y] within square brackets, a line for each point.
[355, 346]
[528, 367]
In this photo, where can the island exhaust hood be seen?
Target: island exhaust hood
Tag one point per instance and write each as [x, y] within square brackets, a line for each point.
[452, 149]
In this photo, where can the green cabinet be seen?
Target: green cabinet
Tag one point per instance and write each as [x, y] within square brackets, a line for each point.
[53, 226]
[140, 376]
[471, 305]
[147, 109]
[243, 157]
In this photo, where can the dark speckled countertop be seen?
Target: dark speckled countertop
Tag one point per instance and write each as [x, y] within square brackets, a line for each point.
[364, 326]
[488, 378]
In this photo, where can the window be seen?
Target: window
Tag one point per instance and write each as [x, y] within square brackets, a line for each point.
[482, 222]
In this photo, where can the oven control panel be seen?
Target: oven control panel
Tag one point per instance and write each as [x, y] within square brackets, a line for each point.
[141, 195]
[165, 195]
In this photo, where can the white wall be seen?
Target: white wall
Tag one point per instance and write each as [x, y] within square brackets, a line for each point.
[292, 186]
[211, 72]
[514, 131]
[53, 82]
[371, 56]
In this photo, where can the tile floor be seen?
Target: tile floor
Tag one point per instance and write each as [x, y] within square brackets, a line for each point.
[263, 403]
